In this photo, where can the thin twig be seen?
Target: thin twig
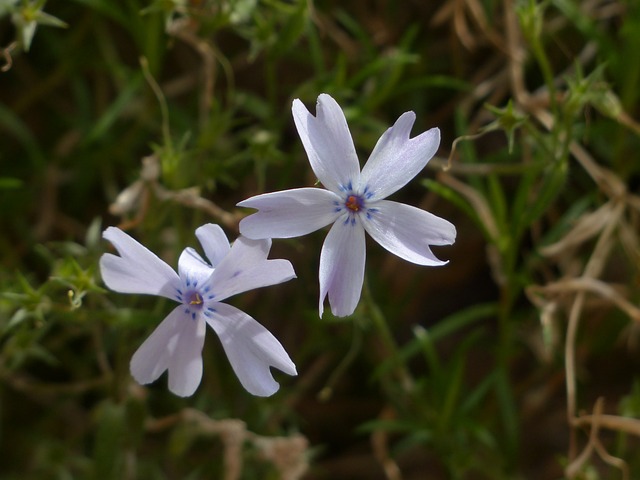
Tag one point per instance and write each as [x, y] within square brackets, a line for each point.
[593, 285]
[577, 463]
[596, 421]
[8, 59]
[288, 454]
[191, 198]
[379, 442]
[592, 269]
[162, 101]
[477, 201]
[612, 422]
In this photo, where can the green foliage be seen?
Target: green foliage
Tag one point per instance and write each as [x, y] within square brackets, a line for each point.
[161, 115]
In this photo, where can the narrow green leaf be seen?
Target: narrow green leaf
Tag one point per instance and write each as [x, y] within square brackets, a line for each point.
[115, 110]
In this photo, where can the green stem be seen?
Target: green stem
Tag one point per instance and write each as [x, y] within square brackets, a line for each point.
[504, 357]
[504, 389]
[547, 72]
[391, 348]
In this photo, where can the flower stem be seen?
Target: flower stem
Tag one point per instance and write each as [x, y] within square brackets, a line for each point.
[391, 350]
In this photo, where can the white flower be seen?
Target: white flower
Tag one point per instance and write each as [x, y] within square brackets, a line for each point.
[176, 344]
[353, 202]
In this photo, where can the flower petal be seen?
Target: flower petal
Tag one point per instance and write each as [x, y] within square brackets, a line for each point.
[408, 231]
[137, 269]
[342, 262]
[176, 345]
[193, 268]
[251, 349]
[396, 159]
[246, 267]
[152, 357]
[185, 365]
[328, 143]
[289, 213]
[214, 242]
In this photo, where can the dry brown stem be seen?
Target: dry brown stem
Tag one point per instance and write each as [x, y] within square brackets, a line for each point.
[8, 59]
[596, 420]
[615, 222]
[287, 454]
[185, 29]
[380, 444]
[135, 198]
[476, 200]
[589, 285]
[612, 422]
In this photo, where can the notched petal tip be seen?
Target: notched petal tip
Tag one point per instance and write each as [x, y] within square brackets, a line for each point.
[328, 143]
[214, 242]
[396, 158]
[210, 229]
[136, 269]
[175, 345]
[408, 232]
[297, 104]
[326, 99]
[404, 124]
[262, 244]
[251, 349]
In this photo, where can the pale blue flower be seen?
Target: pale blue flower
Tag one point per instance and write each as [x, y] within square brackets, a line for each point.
[354, 201]
[176, 344]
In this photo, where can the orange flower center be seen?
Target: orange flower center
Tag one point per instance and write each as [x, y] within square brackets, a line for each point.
[353, 203]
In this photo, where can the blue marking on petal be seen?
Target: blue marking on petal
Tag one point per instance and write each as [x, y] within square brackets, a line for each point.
[337, 209]
[188, 282]
[368, 216]
[211, 309]
[207, 314]
[236, 273]
[207, 289]
[193, 316]
[346, 221]
[350, 186]
[195, 284]
[211, 297]
[187, 311]
[179, 298]
[179, 291]
[368, 195]
[353, 220]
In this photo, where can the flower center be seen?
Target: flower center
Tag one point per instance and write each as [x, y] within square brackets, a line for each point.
[194, 298]
[354, 203]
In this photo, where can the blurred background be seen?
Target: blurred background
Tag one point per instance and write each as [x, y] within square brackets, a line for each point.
[518, 359]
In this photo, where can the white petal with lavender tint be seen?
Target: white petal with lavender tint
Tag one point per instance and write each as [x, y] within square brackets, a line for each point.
[214, 242]
[137, 269]
[251, 349]
[290, 213]
[396, 159]
[192, 266]
[408, 231]
[176, 345]
[328, 143]
[152, 357]
[246, 267]
[185, 365]
[342, 261]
